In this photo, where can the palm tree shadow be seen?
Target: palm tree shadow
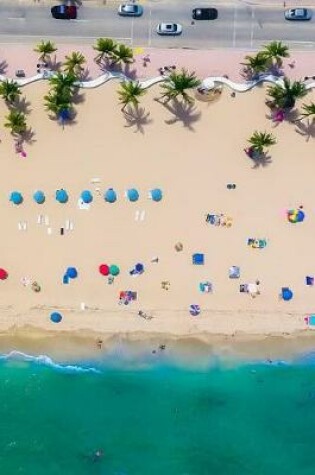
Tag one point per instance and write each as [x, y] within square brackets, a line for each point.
[306, 129]
[55, 65]
[292, 115]
[28, 136]
[183, 112]
[3, 67]
[85, 75]
[263, 161]
[23, 105]
[137, 117]
[78, 97]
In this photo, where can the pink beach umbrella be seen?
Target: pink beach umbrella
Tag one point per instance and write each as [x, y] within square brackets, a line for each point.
[3, 274]
[104, 269]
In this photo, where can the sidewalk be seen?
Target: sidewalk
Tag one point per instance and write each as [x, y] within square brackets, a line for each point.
[204, 63]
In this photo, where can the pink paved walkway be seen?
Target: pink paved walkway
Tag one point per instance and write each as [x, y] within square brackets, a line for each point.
[204, 63]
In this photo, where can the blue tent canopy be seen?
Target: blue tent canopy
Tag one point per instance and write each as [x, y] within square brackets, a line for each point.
[39, 197]
[86, 196]
[132, 194]
[62, 196]
[16, 197]
[64, 115]
[139, 268]
[110, 195]
[72, 272]
[286, 293]
[156, 194]
[55, 317]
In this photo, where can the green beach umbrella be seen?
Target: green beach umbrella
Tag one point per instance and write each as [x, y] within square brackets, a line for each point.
[114, 270]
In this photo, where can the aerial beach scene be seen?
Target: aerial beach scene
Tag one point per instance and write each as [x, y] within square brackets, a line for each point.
[157, 274]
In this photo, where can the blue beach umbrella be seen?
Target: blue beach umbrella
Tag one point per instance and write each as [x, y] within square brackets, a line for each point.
[110, 195]
[62, 196]
[87, 196]
[16, 197]
[156, 194]
[55, 317]
[72, 272]
[132, 194]
[139, 268]
[39, 197]
[286, 293]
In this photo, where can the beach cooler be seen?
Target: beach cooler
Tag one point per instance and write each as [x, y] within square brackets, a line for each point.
[65, 279]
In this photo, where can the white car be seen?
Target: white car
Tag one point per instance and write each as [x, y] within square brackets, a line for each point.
[130, 10]
[169, 29]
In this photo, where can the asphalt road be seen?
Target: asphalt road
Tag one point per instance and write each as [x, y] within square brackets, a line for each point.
[238, 26]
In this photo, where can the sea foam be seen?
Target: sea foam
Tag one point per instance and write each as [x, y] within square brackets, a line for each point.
[44, 360]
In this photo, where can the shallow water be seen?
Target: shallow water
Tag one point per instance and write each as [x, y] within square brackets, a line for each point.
[247, 419]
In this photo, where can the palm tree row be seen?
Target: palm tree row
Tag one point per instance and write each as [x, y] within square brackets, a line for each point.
[113, 52]
[269, 58]
[176, 85]
[15, 120]
[59, 100]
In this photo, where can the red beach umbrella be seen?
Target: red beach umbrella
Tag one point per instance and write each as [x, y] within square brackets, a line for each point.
[104, 269]
[3, 274]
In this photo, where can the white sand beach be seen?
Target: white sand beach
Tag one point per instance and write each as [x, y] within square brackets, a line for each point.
[191, 155]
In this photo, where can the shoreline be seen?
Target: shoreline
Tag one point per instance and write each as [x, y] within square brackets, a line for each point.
[136, 348]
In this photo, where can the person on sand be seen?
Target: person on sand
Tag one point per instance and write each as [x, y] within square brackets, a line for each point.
[99, 343]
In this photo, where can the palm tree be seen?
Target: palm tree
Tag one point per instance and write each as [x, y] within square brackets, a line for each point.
[275, 51]
[284, 97]
[63, 81]
[177, 84]
[57, 103]
[308, 111]
[106, 49]
[260, 140]
[259, 63]
[129, 93]
[123, 54]
[74, 63]
[45, 49]
[9, 90]
[16, 121]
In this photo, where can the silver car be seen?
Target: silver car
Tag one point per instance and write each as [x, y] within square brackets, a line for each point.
[130, 10]
[298, 14]
[169, 29]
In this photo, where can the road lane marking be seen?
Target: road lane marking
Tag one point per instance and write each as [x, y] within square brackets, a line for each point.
[150, 28]
[16, 18]
[234, 25]
[132, 30]
[252, 28]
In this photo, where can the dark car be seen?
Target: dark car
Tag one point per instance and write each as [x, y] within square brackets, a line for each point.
[298, 14]
[64, 12]
[205, 13]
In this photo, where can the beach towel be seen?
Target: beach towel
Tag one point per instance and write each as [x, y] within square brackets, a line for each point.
[198, 259]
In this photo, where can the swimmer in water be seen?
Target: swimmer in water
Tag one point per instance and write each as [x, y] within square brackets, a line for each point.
[98, 455]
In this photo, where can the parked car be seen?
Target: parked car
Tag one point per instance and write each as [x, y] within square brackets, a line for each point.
[169, 29]
[298, 14]
[64, 12]
[130, 10]
[205, 13]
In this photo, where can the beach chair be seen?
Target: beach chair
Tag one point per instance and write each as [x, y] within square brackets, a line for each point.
[244, 288]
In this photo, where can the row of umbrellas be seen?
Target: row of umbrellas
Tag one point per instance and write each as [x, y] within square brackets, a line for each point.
[110, 196]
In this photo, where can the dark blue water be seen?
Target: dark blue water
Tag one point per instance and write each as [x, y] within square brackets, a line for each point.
[256, 419]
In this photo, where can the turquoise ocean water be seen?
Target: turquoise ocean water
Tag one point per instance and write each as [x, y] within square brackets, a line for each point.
[252, 418]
